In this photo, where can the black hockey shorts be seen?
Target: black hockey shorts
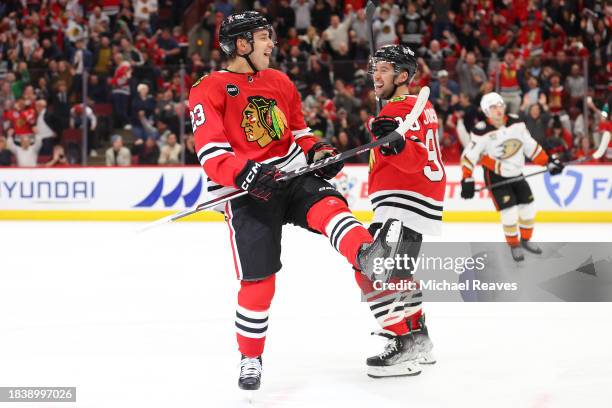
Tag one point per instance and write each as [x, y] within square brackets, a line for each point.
[509, 195]
[411, 246]
[256, 227]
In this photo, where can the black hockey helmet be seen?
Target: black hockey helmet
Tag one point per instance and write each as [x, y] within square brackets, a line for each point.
[241, 25]
[400, 56]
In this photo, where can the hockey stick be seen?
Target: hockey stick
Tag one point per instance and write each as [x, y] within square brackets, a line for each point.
[370, 10]
[603, 145]
[397, 134]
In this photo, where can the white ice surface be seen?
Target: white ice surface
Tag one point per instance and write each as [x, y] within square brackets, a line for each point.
[147, 321]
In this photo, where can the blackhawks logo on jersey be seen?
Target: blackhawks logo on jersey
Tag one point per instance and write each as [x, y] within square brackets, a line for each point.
[263, 121]
[399, 98]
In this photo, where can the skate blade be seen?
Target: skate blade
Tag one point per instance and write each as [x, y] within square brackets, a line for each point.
[405, 369]
[426, 359]
[249, 394]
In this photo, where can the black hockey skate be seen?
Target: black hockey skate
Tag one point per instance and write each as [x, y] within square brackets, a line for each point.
[423, 343]
[250, 373]
[386, 245]
[517, 253]
[531, 247]
[398, 359]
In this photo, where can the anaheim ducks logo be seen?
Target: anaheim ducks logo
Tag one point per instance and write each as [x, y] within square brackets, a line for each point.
[509, 148]
[263, 121]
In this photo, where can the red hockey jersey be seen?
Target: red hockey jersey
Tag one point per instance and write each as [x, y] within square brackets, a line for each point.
[237, 117]
[410, 186]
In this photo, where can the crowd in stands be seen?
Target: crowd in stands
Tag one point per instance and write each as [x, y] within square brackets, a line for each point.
[133, 62]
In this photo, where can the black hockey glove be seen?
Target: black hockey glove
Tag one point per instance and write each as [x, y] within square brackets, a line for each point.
[381, 127]
[321, 150]
[555, 166]
[261, 180]
[467, 188]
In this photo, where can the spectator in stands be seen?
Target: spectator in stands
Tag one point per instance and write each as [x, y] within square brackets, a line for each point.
[318, 73]
[509, 87]
[302, 9]
[360, 27]
[435, 56]
[131, 54]
[471, 76]
[537, 121]
[466, 112]
[146, 152]
[384, 28]
[97, 90]
[584, 148]
[120, 85]
[443, 88]
[44, 126]
[59, 157]
[284, 19]
[191, 156]
[26, 153]
[169, 47]
[337, 32]
[81, 59]
[413, 26]
[558, 99]
[145, 11]
[556, 141]
[532, 95]
[343, 62]
[310, 42]
[345, 99]
[76, 117]
[102, 57]
[143, 110]
[450, 148]
[576, 83]
[319, 15]
[6, 157]
[117, 154]
[171, 151]
[98, 21]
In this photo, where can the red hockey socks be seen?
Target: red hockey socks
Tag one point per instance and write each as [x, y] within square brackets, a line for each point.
[387, 306]
[254, 299]
[526, 227]
[332, 217]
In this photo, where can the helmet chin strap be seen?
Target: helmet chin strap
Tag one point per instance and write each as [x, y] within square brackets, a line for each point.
[394, 88]
[248, 59]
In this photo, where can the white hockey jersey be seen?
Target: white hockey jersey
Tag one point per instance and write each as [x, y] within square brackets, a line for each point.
[502, 150]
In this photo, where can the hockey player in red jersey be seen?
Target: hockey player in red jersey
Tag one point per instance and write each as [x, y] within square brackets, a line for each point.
[249, 128]
[501, 144]
[406, 182]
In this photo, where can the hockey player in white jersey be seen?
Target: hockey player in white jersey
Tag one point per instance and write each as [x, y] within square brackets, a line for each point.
[500, 144]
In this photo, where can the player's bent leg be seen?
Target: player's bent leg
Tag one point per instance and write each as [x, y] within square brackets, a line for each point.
[331, 216]
[254, 299]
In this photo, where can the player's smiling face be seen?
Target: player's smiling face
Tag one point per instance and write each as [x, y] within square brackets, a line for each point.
[383, 79]
[263, 45]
